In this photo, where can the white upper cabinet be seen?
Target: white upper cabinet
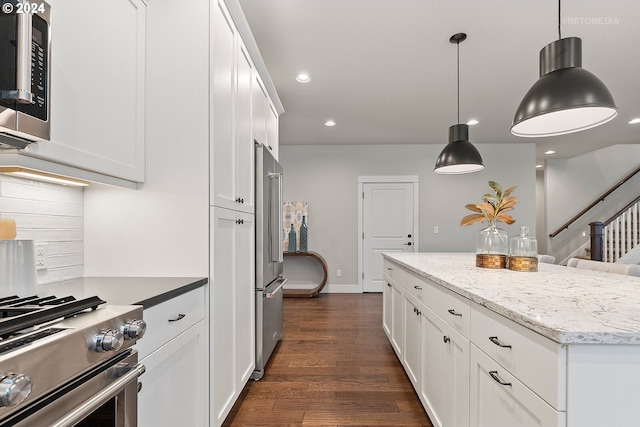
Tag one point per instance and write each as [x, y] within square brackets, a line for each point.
[273, 127]
[259, 107]
[233, 154]
[265, 117]
[97, 87]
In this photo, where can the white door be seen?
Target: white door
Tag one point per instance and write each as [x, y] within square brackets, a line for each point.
[389, 224]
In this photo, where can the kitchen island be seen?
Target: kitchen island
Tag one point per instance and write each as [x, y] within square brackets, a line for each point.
[557, 347]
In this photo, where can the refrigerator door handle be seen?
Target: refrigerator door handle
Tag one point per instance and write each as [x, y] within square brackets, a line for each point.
[275, 218]
[273, 293]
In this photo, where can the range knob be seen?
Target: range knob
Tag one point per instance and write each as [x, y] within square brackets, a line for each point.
[14, 388]
[134, 329]
[110, 340]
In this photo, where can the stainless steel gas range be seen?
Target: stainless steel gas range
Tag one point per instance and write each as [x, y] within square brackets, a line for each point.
[68, 362]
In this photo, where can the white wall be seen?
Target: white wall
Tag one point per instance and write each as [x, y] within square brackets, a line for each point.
[572, 184]
[162, 229]
[327, 177]
[51, 214]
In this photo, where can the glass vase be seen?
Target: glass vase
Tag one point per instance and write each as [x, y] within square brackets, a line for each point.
[303, 235]
[492, 247]
[523, 251]
[292, 240]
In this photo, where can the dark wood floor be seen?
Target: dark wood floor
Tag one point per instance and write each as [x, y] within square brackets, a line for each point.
[334, 367]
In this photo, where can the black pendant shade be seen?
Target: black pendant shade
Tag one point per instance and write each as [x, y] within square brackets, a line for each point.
[459, 156]
[567, 98]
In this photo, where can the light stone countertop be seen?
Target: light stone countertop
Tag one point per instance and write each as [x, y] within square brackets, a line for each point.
[565, 304]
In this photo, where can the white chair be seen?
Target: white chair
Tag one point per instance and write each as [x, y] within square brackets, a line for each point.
[608, 267]
[547, 259]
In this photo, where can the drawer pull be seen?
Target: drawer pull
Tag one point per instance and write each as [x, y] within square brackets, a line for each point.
[453, 312]
[494, 375]
[417, 287]
[388, 284]
[498, 343]
[389, 268]
[180, 317]
[446, 339]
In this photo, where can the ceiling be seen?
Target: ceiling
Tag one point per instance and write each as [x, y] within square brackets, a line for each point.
[385, 71]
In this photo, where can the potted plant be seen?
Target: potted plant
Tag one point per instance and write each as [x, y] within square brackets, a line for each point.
[492, 243]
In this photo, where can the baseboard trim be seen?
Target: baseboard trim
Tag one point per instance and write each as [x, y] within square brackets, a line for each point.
[342, 289]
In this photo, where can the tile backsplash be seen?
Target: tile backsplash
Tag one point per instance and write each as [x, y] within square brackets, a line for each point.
[51, 214]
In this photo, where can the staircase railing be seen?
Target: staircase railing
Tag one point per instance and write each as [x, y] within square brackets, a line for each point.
[620, 233]
[595, 202]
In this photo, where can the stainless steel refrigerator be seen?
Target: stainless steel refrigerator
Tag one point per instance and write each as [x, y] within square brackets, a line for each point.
[269, 280]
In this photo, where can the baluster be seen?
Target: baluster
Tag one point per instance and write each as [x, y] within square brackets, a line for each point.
[611, 243]
[635, 225]
[623, 235]
[616, 254]
[605, 243]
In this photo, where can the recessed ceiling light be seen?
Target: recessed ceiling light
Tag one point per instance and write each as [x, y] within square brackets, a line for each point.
[538, 166]
[303, 78]
[634, 121]
[472, 122]
[549, 152]
[329, 123]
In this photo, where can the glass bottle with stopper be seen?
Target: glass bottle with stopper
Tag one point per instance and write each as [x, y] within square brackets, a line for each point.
[523, 251]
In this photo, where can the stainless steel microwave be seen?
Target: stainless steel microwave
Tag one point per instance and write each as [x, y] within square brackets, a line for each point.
[25, 51]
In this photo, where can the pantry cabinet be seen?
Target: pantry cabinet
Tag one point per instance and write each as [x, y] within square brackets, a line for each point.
[97, 88]
[232, 315]
[232, 147]
[239, 115]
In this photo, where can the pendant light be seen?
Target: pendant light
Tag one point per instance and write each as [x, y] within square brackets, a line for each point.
[459, 156]
[566, 98]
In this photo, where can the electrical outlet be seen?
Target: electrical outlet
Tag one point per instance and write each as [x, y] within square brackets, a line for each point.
[42, 256]
[436, 229]
[338, 273]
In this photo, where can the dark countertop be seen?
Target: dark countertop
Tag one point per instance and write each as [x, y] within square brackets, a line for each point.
[145, 291]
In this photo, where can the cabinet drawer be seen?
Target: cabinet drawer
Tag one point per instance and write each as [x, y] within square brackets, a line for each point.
[392, 270]
[167, 320]
[451, 307]
[535, 360]
[498, 398]
[415, 285]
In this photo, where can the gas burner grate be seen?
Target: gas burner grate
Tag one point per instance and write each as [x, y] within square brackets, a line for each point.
[21, 313]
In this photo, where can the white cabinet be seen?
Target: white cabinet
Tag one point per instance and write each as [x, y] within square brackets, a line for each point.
[265, 118]
[412, 356]
[273, 127]
[232, 317]
[387, 308]
[444, 386]
[173, 352]
[259, 107]
[397, 330]
[499, 399]
[232, 146]
[97, 87]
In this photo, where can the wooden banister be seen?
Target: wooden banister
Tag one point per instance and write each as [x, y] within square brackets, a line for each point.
[595, 202]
